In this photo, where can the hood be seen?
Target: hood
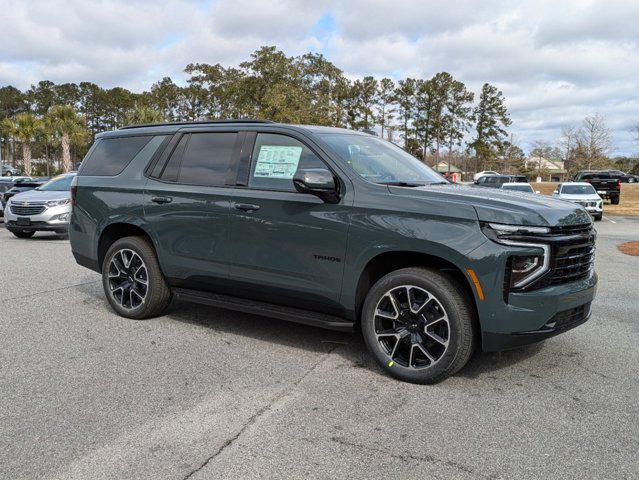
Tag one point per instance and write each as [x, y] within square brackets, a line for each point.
[502, 206]
[40, 196]
[590, 197]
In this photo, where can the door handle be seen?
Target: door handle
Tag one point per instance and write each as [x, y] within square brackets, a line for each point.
[247, 207]
[161, 200]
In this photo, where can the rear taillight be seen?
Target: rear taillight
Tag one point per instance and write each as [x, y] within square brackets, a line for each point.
[74, 190]
[619, 184]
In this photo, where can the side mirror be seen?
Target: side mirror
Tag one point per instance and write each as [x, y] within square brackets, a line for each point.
[537, 191]
[317, 181]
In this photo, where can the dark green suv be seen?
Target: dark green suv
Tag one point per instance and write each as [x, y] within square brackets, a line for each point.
[332, 228]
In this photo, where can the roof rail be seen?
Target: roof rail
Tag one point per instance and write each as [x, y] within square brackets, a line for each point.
[197, 122]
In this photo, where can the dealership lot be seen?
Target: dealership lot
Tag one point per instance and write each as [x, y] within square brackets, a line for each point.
[208, 393]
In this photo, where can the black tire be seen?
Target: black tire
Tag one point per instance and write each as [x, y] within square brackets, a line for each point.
[23, 233]
[598, 218]
[614, 200]
[158, 292]
[461, 324]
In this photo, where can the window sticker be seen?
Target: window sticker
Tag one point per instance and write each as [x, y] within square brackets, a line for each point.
[276, 161]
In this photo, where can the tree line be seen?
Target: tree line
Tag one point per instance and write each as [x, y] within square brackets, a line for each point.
[435, 119]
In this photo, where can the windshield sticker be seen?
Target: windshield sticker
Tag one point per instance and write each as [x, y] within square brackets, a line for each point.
[277, 161]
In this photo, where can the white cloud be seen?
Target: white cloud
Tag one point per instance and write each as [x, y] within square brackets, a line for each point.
[555, 61]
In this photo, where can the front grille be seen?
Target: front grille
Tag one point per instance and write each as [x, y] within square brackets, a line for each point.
[566, 318]
[587, 204]
[32, 209]
[572, 257]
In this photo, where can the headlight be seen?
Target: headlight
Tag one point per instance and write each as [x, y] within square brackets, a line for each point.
[525, 268]
[57, 203]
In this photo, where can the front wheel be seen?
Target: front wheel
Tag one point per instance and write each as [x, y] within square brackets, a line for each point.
[23, 233]
[133, 282]
[419, 325]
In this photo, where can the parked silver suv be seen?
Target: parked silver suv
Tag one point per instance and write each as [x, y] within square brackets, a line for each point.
[47, 208]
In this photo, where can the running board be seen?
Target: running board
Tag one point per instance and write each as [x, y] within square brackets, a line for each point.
[289, 314]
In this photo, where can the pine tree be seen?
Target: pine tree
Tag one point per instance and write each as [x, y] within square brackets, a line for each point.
[491, 118]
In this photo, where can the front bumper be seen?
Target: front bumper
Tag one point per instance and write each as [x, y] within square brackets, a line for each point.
[535, 316]
[523, 317]
[52, 219]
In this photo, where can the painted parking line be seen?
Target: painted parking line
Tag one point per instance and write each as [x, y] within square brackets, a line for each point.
[611, 221]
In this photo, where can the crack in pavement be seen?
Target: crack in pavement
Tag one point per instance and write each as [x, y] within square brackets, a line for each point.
[261, 412]
[405, 456]
[48, 291]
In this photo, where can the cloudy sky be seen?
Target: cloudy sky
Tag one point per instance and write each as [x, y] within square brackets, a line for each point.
[555, 61]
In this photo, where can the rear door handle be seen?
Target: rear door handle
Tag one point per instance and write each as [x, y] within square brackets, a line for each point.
[247, 207]
[161, 200]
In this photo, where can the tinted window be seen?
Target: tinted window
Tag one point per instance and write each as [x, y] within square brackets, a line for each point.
[111, 155]
[275, 160]
[170, 173]
[207, 158]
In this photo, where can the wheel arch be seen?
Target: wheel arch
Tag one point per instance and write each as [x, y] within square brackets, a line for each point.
[115, 231]
[386, 262]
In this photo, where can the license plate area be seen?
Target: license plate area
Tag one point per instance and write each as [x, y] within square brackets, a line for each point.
[23, 221]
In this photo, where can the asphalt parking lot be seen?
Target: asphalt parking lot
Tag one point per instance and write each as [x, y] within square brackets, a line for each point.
[207, 393]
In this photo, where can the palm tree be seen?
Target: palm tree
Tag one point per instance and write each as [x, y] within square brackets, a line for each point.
[46, 134]
[23, 129]
[71, 129]
[144, 115]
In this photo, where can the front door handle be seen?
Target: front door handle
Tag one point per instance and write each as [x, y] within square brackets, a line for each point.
[247, 207]
[161, 200]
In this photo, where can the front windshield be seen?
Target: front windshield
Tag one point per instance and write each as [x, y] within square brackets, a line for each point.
[379, 161]
[578, 189]
[518, 188]
[58, 184]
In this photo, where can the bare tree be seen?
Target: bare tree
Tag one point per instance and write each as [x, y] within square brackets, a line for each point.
[568, 142]
[594, 143]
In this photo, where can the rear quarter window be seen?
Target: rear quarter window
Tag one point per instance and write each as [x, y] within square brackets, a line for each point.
[112, 155]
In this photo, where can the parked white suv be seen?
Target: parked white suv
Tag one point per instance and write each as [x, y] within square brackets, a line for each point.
[582, 193]
[47, 208]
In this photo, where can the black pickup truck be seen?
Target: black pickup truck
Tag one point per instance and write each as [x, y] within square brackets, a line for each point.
[606, 185]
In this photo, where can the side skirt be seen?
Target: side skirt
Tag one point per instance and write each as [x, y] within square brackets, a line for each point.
[289, 314]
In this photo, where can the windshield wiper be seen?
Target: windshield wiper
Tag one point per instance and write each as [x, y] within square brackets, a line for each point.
[402, 184]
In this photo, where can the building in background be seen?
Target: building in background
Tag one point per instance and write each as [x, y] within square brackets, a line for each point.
[547, 170]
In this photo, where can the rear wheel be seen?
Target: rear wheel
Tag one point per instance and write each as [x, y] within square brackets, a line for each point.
[419, 325]
[23, 233]
[132, 280]
[614, 200]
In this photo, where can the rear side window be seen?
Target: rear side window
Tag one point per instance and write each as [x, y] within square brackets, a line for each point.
[207, 158]
[111, 155]
[275, 160]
